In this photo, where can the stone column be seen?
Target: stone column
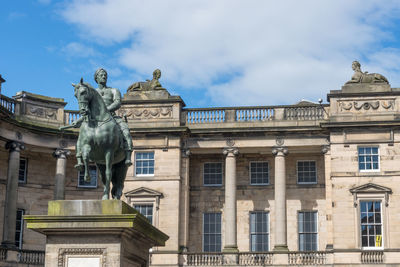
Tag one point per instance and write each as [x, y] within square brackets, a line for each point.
[230, 200]
[10, 206]
[326, 150]
[185, 199]
[59, 186]
[280, 199]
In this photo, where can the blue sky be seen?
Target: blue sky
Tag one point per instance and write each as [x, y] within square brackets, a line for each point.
[211, 53]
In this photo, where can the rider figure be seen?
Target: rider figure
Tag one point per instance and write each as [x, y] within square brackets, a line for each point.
[112, 99]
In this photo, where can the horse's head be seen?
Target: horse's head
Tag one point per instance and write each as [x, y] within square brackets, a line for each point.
[84, 94]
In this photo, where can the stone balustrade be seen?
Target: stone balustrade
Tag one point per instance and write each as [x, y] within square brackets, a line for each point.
[34, 257]
[3, 254]
[22, 257]
[7, 103]
[70, 116]
[371, 257]
[253, 114]
[307, 258]
[255, 259]
[205, 259]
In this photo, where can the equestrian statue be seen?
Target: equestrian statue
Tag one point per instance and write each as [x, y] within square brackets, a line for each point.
[104, 137]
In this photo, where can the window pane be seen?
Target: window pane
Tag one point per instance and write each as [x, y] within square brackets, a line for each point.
[368, 158]
[259, 232]
[212, 173]
[212, 232]
[146, 211]
[259, 173]
[93, 177]
[308, 235]
[144, 163]
[371, 223]
[306, 172]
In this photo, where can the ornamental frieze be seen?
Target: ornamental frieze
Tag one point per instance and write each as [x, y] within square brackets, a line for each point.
[146, 113]
[41, 112]
[382, 105]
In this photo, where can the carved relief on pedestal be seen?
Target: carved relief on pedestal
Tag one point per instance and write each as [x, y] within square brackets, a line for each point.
[367, 105]
[146, 113]
[41, 112]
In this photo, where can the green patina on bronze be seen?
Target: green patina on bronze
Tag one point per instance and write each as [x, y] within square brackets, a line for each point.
[104, 137]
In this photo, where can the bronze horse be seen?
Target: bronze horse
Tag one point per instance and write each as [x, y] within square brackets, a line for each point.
[100, 140]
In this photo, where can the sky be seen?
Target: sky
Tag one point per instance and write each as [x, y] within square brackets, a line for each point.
[211, 53]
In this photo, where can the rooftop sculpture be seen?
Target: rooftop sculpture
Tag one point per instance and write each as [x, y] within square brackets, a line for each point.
[365, 77]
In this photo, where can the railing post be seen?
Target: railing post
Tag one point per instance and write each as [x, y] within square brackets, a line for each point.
[230, 115]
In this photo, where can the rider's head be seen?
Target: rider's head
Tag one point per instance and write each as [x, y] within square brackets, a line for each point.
[100, 76]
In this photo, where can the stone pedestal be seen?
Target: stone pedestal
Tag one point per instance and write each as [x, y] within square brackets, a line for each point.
[95, 233]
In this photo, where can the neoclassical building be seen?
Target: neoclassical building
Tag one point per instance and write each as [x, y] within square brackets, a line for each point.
[303, 184]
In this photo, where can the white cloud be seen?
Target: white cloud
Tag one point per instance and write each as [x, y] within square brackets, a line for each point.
[78, 50]
[245, 52]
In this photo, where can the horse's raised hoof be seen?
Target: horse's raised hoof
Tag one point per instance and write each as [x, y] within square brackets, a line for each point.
[128, 162]
[79, 167]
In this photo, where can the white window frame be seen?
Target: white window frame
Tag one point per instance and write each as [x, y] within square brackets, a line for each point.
[154, 165]
[146, 204]
[145, 196]
[83, 172]
[316, 171]
[202, 232]
[382, 224]
[25, 170]
[222, 173]
[317, 230]
[379, 159]
[21, 230]
[269, 229]
[268, 172]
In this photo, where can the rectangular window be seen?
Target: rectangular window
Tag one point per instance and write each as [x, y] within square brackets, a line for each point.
[212, 232]
[308, 232]
[371, 224]
[93, 178]
[259, 173]
[19, 228]
[368, 159]
[146, 211]
[212, 174]
[306, 172]
[259, 231]
[23, 167]
[144, 163]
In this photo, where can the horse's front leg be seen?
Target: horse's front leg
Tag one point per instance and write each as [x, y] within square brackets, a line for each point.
[85, 156]
[108, 175]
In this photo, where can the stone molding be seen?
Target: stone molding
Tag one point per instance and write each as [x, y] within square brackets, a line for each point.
[61, 153]
[41, 112]
[370, 189]
[63, 252]
[230, 151]
[280, 151]
[379, 105]
[146, 113]
[15, 146]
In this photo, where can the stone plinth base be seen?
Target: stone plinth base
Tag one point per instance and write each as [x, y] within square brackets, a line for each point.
[95, 233]
[366, 88]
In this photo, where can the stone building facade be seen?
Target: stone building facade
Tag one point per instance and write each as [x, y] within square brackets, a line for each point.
[303, 184]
